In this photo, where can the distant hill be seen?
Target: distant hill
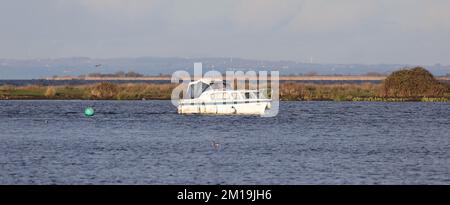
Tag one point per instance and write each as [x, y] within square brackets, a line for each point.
[41, 68]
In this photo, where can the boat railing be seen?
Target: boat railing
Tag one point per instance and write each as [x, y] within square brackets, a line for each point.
[230, 96]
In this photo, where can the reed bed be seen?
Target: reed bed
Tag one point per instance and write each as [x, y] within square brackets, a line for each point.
[140, 91]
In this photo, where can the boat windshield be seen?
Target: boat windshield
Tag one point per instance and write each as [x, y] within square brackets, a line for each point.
[220, 85]
[195, 90]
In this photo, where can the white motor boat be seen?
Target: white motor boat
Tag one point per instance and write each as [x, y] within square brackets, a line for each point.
[206, 96]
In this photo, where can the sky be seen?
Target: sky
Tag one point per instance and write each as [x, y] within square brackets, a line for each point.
[322, 31]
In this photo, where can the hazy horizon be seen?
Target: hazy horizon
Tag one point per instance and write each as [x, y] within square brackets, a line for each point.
[213, 57]
[306, 61]
[413, 32]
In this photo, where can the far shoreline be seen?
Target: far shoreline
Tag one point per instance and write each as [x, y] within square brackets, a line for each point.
[283, 78]
[406, 85]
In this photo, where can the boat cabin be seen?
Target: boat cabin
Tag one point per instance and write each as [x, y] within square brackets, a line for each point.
[196, 88]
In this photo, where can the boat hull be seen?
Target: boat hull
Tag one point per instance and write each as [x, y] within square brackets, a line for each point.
[246, 108]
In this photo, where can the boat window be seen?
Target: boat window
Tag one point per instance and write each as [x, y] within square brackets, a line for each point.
[236, 96]
[217, 86]
[226, 96]
[204, 87]
[261, 95]
[220, 96]
[254, 95]
[250, 95]
[191, 91]
[264, 94]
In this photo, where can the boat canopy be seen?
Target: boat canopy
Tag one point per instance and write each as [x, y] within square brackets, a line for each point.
[196, 88]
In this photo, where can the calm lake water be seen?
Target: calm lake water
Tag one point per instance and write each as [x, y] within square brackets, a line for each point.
[146, 142]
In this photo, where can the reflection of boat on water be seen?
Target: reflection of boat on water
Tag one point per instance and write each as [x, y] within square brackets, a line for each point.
[206, 96]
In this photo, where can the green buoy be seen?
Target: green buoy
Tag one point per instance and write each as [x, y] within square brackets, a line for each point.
[89, 111]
